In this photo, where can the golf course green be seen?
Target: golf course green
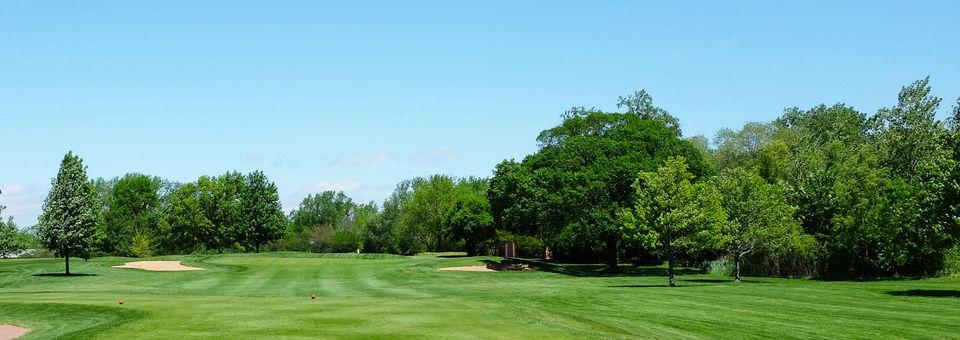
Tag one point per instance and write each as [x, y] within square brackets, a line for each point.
[372, 295]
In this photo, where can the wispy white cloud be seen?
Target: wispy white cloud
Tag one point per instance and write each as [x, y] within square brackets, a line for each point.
[362, 160]
[341, 185]
[439, 154]
[261, 159]
[23, 202]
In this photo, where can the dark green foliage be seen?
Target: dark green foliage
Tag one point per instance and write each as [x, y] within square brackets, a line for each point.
[569, 192]
[262, 215]
[185, 225]
[436, 213]
[131, 211]
[470, 220]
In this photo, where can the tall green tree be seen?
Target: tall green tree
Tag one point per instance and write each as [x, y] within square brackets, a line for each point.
[396, 233]
[184, 226]
[220, 198]
[470, 220]
[673, 215]
[427, 207]
[759, 218]
[744, 147]
[261, 210]
[325, 208]
[569, 192]
[914, 150]
[68, 222]
[132, 211]
[832, 176]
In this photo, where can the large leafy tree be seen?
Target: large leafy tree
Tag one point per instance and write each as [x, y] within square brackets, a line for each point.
[132, 211]
[914, 150]
[220, 198]
[873, 191]
[759, 218]
[951, 199]
[325, 208]
[261, 210]
[432, 198]
[832, 177]
[184, 226]
[394, 233]
[743, 147]
[673, 215]
[568, 193]
[68, 222]
[470, 220]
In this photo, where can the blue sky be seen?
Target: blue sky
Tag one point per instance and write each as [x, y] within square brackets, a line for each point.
[356, 96]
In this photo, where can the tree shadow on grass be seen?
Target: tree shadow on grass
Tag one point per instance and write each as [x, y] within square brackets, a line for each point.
[642, 286]
[64, 274]
[721, 281]
[927, 293]
[600, 270]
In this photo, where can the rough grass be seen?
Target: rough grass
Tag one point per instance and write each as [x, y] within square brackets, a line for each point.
[373, 295]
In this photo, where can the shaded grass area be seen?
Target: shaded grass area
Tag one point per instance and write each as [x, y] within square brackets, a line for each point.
[927, 293]
[374, 295]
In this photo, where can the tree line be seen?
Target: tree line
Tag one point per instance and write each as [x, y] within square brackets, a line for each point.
[827, 191]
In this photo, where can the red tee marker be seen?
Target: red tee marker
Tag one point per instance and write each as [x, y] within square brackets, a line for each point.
[313, 296]
[121, 301]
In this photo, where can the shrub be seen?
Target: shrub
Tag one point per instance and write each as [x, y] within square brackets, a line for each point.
[723, 267]
[952, 262]
[140, 247]
[527, 246]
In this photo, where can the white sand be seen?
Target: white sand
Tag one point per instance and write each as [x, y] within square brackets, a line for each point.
[8, 332]
[158, 266]
[469, 269]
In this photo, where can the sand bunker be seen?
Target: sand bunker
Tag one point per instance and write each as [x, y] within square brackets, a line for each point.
[490, 267]
[469, 269]
[8, 332]
[158, 266]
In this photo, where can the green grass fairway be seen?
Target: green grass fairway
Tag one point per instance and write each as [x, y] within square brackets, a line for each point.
[366, 296]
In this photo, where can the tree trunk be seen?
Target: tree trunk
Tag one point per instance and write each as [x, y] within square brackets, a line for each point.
[67, 258]
[613, 254]
[737, 260]
[258, 247]
[670, 278]
[470, 251]
[439, 243]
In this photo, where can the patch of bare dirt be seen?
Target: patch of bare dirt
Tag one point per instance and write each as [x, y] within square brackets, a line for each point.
[9, 332]
[158, 266]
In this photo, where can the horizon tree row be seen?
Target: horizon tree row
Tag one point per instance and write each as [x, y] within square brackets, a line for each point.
[828, 191]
